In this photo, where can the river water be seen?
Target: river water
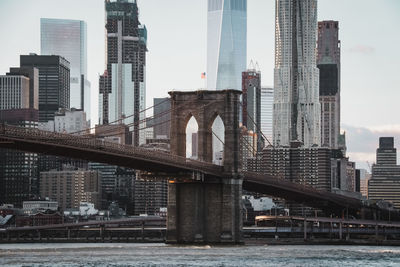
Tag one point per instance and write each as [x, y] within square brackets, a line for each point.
[120, 254]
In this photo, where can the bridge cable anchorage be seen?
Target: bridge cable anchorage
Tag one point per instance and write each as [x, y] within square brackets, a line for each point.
[257, 126]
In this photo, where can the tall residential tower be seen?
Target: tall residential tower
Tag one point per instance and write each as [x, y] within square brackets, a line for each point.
[328, 62]
[296, 77]
[122, 87]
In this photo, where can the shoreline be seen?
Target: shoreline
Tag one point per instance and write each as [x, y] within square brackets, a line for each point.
[247, 242]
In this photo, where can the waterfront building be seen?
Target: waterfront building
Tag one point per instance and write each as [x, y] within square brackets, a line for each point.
[54, 83]
[116, 185]
[149, 196]
[70, 187]
[267, 103]
[122, 87]
[328, 63]
[35, 206]
[68, 38]
[150, 193]
[162, 115]
[385, 181]
[298, 164]
[251, 103]
[296, 76]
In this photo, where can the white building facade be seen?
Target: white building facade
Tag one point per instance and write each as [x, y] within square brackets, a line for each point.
[296, 77]
[14, 92]
[267, 102]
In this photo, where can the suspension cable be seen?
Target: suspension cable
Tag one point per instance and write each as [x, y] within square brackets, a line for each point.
[121, 119]
[257, 126]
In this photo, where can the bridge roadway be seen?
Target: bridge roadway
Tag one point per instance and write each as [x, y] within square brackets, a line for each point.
[97, 150]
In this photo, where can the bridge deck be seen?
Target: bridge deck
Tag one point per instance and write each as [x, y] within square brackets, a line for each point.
[92, 149]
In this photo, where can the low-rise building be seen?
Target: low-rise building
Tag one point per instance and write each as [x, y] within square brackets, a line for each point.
[32, 207]
[71, 187]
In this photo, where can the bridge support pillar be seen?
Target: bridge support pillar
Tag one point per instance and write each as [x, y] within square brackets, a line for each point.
[205, 212]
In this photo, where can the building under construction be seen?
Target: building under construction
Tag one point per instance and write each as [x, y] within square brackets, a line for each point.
[122, 87]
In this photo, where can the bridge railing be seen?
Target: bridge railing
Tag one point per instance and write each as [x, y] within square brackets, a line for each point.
[8, 131]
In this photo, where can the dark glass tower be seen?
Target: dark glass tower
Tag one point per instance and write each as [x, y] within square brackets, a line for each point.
[328, 62]
[54, 83]
[122, 86]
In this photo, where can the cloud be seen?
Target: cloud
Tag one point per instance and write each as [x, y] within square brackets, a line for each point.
[362, 142]
[362, 49]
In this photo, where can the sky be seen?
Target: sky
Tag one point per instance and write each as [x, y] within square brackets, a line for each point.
[177, 32]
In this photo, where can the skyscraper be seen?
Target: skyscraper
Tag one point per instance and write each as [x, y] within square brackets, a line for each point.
[226, 43]
[226, 51]
[18, 177]
[267, 102]
[328, 62]
[68, 39]
[296, 77]
[385, 181]
[162, 116]
[122, 87]
[54, 83]
[251, 99]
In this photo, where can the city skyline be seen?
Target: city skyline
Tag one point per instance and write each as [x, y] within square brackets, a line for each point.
[366, 52]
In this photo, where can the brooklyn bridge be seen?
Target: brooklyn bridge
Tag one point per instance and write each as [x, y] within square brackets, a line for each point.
[204, 199]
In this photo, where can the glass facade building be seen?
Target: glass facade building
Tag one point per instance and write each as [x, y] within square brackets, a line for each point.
[226, 43]
[296, 77]
[226, 50]
[68, 38]
[54, 83]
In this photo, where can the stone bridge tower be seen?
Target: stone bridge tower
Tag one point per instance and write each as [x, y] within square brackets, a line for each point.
[203, 208]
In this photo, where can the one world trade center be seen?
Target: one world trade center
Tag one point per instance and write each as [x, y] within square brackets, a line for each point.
[226, 50]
